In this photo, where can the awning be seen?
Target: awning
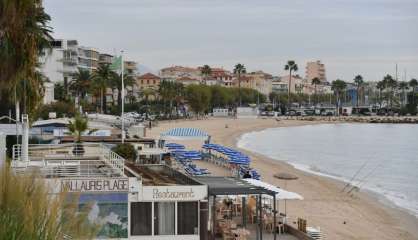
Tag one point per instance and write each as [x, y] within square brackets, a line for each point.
[281, 194]
[184, 134]
[231, 186]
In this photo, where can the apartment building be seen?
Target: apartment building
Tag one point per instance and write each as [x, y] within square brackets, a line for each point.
[61, 62]
[88, 58]
[315, 69]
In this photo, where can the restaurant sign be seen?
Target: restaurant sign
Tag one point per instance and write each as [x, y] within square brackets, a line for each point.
[173, 193]
[95, 185]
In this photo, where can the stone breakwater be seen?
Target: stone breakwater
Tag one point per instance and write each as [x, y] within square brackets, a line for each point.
[358, 119]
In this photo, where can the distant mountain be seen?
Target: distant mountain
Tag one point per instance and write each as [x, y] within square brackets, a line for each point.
[142, 69]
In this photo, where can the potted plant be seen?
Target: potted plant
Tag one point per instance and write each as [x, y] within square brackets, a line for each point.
[76, 128]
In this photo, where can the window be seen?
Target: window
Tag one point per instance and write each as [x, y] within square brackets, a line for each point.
[147, 81]
[153, 81]
[187, 213]
[141, 214]
[164, 218]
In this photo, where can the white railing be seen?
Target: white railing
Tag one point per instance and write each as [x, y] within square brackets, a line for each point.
[68, 160]
[113, 159]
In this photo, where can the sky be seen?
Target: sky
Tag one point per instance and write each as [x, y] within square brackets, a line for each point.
[366, 37]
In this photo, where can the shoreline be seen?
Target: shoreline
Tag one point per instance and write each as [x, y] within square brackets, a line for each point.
[363, 216]
[375, 194]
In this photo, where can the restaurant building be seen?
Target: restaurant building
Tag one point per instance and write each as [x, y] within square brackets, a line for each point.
[128, 200]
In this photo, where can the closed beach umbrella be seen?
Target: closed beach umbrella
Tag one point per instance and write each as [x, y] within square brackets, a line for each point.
[285, 176]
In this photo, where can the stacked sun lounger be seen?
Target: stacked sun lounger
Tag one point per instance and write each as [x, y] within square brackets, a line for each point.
[231, 157]
[185, 159]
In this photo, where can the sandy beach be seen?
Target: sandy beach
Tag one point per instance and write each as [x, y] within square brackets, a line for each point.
[339, 215]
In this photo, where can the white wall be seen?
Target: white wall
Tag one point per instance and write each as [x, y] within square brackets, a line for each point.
[52, 66]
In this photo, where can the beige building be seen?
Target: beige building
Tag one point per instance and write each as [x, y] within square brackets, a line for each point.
[297, 83]
[148, 80]
[259, 81]
[315, 70]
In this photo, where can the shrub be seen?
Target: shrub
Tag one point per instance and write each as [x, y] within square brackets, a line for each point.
[61, 108]
[125, 150]
[29, 211]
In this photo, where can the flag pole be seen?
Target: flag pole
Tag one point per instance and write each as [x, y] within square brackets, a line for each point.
[123, 101]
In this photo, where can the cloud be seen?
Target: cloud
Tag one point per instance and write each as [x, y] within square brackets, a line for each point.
[261, 34]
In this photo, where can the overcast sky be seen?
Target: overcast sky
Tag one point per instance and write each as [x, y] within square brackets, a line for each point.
[366, 37]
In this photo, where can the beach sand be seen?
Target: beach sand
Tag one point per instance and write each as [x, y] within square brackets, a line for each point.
[340, 216]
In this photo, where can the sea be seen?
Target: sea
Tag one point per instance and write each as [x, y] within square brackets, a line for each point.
[382, 158]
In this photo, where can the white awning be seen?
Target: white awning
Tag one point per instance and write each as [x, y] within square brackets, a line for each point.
[281, 193]
[152, 151]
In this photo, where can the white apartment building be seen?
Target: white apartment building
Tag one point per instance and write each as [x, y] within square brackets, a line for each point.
[61, 62]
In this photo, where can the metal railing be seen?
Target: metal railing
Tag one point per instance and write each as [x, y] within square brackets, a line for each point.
[69, 160]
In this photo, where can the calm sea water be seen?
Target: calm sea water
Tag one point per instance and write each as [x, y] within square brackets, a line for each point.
[384, 155]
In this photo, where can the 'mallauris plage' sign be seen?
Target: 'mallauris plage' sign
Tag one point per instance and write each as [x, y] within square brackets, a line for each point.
[95, 185]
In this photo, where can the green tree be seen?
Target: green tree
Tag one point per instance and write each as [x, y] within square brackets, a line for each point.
[198, 98]
[24, 35]
[101, 81]
[205, 71]
[316, 81]
[168, 92]
[358, 81]
[291, 66]
[391, 85]
[338, 86]
[80, 83]
[116, 83]
[125, 150]
[381, 86]
[59, 92]
[239, 69]
[403, 86]
[413, 83]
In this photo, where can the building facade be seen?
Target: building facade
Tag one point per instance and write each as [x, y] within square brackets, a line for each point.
[315, 69]
[148, 80]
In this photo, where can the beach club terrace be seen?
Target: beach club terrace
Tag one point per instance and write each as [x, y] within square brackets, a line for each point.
[130, 201]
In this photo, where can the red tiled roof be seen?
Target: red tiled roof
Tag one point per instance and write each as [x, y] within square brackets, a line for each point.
[148, 76]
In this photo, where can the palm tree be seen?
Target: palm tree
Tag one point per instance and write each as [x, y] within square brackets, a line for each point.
[80, 83]
[358, 80]
[381, 85]
[147, 92]
[403, 86]
[316, 81]
[206, 71]
[238, 70]
[24, 36]
[413, 83]
[116, 83]
[338, 86]
[28, 92]
[101, 79]
[77, 128]
[391, 84]
[291, 66]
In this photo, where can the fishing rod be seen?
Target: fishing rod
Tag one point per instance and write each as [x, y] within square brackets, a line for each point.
[355, 175]
[363, 180]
